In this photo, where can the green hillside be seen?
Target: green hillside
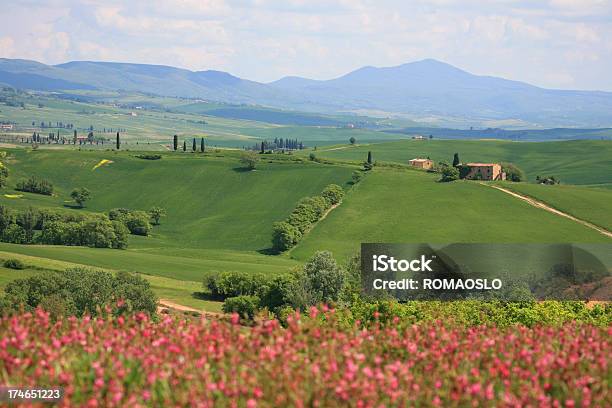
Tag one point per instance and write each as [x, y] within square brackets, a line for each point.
[573, 162]
[210, 200]
[587, 203]
[409, 206]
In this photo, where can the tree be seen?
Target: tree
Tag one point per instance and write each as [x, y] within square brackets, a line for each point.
[156, 214]
[184, 146]
[263, 148]
[333, 193]
[138, 223]
[284, 236]
[449, 174]
[202, 147]
[369, 157]
[118, 142]
[80, 195]
[193, 145]
[175, 142]
[513, 173]
[249, 160]
[74, 137]
[322, 279]
[352, 140]
[456, 160]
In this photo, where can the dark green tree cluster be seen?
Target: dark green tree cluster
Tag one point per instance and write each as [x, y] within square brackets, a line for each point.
[35, 185]
[321, 280]
[137, 222]
[51, 227]
[513, 173]
[80, 291]
[308, 211]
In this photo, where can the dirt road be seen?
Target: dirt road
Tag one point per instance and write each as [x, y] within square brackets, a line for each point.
[546, 207]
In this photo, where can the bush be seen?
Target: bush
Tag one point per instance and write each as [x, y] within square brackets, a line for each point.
[449, 174]
[249, 160]
[14, 264]
[78, 291]
[230, 284]
[14, 234]
[138, 223]
[149, 156]
[357, 176]
[312, 157]
[333, 193]
[513, 173]
[35, 185]
[284, 236]
[245, 306]
[278, 292]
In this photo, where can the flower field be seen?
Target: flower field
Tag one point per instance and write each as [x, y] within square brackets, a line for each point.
[135, 361]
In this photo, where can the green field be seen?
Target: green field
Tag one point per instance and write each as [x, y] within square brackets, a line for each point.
[590, 204]
[410, 206]
[585, 162]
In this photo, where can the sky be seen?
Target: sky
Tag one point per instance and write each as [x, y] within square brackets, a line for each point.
[563, 44]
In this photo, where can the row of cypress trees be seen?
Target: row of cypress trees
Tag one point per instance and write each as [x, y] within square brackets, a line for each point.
[193, 146]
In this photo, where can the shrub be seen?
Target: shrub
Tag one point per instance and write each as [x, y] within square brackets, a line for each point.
[149, 156]
[513, 173]
[284, 236]
[138, 223]
[278, 292]
[333, 193]
[81, 290]
[312, 157]
[449, 174]
[231, 284]
[14, 264]
[245, 306]
[357, 176]
[35, 185]
[14, 234]
[249, 160]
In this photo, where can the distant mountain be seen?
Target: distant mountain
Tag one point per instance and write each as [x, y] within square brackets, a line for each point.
[422, 89]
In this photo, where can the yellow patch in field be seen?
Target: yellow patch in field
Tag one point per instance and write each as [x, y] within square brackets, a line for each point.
[102, 162]
[13, 195]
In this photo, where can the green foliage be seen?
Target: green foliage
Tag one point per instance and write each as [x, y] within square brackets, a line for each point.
[149, 156]
[333, 193]
[352, 140]
[249, 160]
[456, 160]
[14, 234]
[156, 213]
[449, 174]
[284, 236]
[78, 291]
[35, 185]
[245, 306]
[14, 264]
[80, 196]
[513, 173]
[357, 176]
[547, 180]
[322, 279]
[477, 312]
[230, 284]
[312, 157]
[138, 223]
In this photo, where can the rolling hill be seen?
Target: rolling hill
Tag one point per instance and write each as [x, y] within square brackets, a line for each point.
[422, 89]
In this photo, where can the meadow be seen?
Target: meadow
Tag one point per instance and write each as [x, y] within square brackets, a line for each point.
[395, 205]
[583, 162]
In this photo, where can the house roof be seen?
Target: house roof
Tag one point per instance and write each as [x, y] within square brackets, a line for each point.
[419, 160]
[481, 164]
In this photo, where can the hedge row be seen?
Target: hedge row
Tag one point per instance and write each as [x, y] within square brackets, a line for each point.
[286, 234]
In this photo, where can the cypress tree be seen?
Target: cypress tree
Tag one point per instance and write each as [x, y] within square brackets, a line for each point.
[202, 145]
[74, 138]
[118, 142]
[193, 146]
[184, 146]
[456, 160]
[262, 148]
[175, 142]
[369, 157]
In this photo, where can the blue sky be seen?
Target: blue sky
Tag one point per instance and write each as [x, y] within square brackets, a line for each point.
[550, 43]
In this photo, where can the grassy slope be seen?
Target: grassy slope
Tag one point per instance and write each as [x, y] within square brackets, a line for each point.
[179, 291]
[211, 202]
[574, 162]
[590, 204]
[409, 206]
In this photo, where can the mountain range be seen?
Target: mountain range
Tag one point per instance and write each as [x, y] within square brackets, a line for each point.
[422, 89]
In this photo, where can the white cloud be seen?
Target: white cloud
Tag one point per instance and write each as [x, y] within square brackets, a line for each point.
[267, 39]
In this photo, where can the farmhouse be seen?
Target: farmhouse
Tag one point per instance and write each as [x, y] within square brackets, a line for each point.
[421, 163]
[485, 171]
[6, 126]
